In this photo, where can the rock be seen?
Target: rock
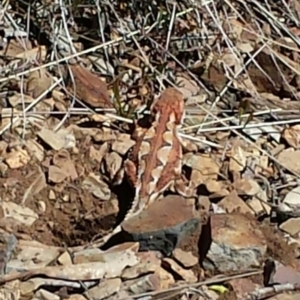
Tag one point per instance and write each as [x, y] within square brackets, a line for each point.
[233, 203]
[290, 159]
[142, 284]
[3, 169]
[187, 259]
[276, 272]
[36, 182]
[141, 268]
[98, 154]
[237, 244]
[51, 195]
[258, 206]
[35, 149]
[97, 187]
[294, 296]
[204, 167]
[292, 136]
[3, 148]
[163, 224]
[41, 205]
[154, 256]
[187, 87]
[243, 287]
[53, 139]
[113, 163]
[104, 289]
[122, 144]
[65, 259]
[76, 297]
[186, 275]
[104, 135]
[44, 294]
[293, 197]
[166, 280]
[32, 254]
[17, 158]
[95, 254]
[291, 226]
[121, 295]
[247, 187]
[56, 174]
[217, 187]
[237, 162]
[21, 215]
[63, 160]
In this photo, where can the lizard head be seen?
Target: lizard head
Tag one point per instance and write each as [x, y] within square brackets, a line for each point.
[171, 104]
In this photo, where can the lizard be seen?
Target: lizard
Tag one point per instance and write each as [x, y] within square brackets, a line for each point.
[156, 158]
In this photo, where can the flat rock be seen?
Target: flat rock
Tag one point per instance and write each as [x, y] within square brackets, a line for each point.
[186, 275]
[163, 225]
[17, 158]
[291, 226]
[56, 140]
[281, 296]
[243, 287]
[233, 202]
[142, 284]
[236, 243]
[104, 289]
[96, 186]
[139, 269]
[185, 258]
[290, 159]
[293, 197]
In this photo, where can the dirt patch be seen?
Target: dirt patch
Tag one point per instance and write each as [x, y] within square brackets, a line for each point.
[73, 216]
[278, 248]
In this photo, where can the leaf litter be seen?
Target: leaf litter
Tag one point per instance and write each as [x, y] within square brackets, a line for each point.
[69, 98]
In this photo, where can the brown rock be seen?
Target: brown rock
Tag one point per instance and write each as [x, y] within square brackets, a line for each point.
[247, 187]
[104, 289]
[233, 203]
[57, 174]
[143, 284]
[290, 160]
[122, 144]
[163, 224]
[139, 269]
[186, 258]
[291, 226]
[166, 280]
[17, 158]
[237, 243]
[186, 275]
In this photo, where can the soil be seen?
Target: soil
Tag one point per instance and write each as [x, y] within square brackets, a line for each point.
[66, 222]
[78, 219]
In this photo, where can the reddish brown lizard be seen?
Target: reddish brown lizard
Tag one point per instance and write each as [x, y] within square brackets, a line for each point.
[156, 159]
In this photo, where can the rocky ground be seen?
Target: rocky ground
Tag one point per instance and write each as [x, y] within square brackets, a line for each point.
[66, 130]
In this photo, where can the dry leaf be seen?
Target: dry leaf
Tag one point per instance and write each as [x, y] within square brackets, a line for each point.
[89, 88]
